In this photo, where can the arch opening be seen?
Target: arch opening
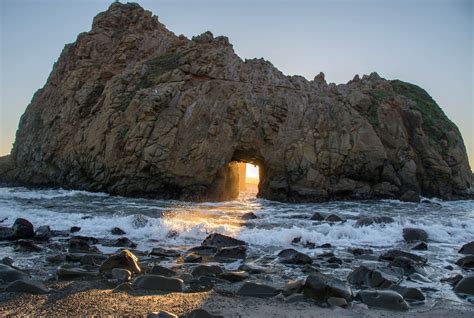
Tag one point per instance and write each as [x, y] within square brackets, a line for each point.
[244, 176]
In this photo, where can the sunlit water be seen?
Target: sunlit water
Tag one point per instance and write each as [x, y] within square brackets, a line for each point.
[177, 224]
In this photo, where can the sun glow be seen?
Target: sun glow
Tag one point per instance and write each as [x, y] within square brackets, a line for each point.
[252, 174]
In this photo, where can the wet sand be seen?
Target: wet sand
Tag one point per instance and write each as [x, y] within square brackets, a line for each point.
[96, 298]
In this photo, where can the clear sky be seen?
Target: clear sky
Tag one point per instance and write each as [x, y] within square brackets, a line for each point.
[426, 42]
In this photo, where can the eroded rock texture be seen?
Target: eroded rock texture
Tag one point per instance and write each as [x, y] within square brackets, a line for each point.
[132, 109]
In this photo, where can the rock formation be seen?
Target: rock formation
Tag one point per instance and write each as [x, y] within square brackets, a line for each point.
[132, 109]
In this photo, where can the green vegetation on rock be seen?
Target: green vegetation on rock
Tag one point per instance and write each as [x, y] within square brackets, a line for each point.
[435, 123]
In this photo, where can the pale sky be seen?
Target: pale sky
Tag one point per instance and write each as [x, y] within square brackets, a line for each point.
[426, 42]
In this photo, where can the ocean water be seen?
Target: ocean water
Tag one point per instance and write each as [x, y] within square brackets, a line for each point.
[180, 225]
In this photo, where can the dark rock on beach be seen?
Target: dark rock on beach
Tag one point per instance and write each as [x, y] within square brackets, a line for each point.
[22, 229]
[26, 246]
[409, 293]
[390, 255]
[67, 273]
[367, 277]
[333, 218]
[10, 274]
[466, 262]
[43, 233]
[234, 276]
[158, 251]
[74, 229]
[421, 246]
[27, 286]
[157, 282]
[291, 256]
[320, 288]
[385, 299]
[218, 240]
[467, 248]
[248, 216]
[235, 252]
[465, 286]
[293, 287]
[206, 270]
[414, 234]
[122, 242]
[162, 271]
[317, 217]
[125, 259]
[117, 231]
[192, 258]
[257, 290]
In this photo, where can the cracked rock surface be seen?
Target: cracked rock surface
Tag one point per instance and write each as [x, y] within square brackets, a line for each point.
[132, 109]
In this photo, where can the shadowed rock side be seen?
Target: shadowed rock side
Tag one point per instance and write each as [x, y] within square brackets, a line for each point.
[132, 109]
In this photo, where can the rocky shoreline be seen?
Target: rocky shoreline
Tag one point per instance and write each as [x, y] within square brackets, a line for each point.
[73, 266]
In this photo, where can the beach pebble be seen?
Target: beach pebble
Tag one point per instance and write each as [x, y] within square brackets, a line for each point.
[219, 240]
[203, 250]
[252, 269]
[385, 299]
[410, 293]
[320, 288]
[467, 248]
[333, 218]
[26, 246]
[292, 256]
[192, 258]
[81, 245]
[293, 287]
[206, 270]
[248, 216]
[74, 229]
[465, 286]
[235, 252]
[43, 233]
[157, 282]
[317, 217]
[452, 280]
[10, 274]
[117, 231]
[122, 275]
[125, 259]
[162, 271]
[22, 229]
[234, 276]
[27, 286]
[64, 272]
[360, 251]
[390, 255]
[414, 234]
[367, 277]
[466, 262]
[122, 242]
[158, 251]
[422, 246]
[257, 290]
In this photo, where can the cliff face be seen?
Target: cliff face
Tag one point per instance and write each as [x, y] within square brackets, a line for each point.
[132, 109]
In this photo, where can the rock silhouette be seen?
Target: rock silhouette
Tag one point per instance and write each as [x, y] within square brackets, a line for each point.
[132, 109]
